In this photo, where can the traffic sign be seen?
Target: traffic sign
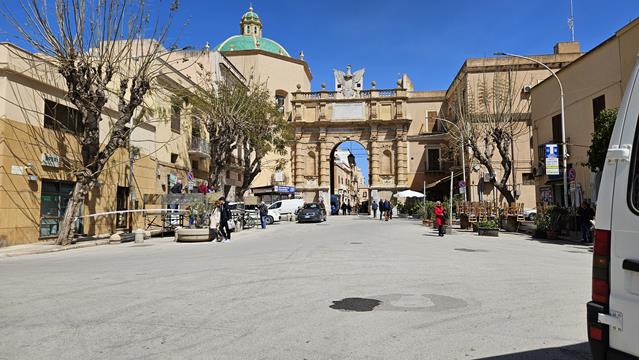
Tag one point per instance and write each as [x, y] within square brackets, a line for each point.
[572, 174]
[189, 176]
[462, 184]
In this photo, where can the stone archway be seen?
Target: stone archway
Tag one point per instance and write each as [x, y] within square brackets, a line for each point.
[374, 118]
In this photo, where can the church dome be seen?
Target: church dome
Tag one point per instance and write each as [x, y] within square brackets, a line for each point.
[248, 42]
[250, 37]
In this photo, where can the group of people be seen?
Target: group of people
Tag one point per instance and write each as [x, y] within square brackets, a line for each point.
[202, 188]
[385, 209]
[348, 209]
[221, 221]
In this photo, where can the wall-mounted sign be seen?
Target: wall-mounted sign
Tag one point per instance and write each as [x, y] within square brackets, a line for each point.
[552, 159]
[545, 194]
[348, 111]
[50, 160]
[284, 189]
[17, 170]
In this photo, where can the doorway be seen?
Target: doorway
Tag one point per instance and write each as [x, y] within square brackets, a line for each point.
[350, 178]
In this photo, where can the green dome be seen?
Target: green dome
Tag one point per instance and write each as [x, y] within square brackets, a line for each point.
[246, 42]
[250, 15]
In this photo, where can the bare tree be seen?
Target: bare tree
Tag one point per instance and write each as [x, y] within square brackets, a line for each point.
[491, 114]
[240, 119]
[98, 47]
[267, 132]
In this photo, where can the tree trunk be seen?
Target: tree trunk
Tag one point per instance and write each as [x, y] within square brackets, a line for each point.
[67, 227]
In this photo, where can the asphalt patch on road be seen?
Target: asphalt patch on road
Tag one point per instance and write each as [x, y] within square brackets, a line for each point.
[471, 250]
[355, 304]
[401, 302]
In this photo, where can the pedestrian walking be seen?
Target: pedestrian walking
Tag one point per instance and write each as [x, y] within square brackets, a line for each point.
[387, 208]
[586, 215]
[225, 219]
[374, 208]
[390, 210]
[381, 209]
[343, 208]
[214, 223]
[202, 188]
[263, 211]
[440, 213]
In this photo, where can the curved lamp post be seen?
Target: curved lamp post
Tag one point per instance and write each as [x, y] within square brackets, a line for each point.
[563, 119]
[463, 148]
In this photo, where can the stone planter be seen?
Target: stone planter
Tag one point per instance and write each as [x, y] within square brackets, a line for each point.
[192, 235]
[488, 232]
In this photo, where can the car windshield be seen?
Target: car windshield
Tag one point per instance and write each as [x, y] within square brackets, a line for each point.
[277, 205]
[311, 206]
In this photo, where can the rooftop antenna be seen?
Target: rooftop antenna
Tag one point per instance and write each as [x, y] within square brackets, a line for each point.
[571, 22]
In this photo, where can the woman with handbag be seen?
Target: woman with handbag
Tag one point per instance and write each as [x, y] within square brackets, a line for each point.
[225, 218]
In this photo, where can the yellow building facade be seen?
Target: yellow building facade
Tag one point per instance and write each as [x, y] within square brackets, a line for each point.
[594, 82]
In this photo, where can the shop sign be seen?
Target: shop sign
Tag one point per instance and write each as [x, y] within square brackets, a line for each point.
[552, 159]
[50, 160]
[545, 194]
[284, 189]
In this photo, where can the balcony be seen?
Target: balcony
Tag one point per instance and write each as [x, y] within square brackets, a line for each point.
[199, 148]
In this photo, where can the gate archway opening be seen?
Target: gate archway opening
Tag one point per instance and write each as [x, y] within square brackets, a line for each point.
[350, 178]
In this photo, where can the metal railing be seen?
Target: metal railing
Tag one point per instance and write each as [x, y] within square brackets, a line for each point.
[200, 145]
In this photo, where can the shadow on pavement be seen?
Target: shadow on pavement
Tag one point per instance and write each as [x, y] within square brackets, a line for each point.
[569, 352]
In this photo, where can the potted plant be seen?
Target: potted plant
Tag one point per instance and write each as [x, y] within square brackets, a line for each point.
[542, 223]
[555, 215]
[488, 228]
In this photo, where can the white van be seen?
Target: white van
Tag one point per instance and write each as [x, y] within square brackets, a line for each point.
[613, 313]
[287, 206]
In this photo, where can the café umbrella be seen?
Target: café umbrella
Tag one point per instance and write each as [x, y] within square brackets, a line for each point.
[409, 194]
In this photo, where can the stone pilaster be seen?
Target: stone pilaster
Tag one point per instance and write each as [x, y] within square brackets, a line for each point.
[325, 164]
[298, 168]
[402, 162]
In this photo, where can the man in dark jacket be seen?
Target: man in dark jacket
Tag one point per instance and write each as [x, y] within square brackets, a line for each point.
[263, 209]
[381, 208]
[586, 214]
[225, 217]
[374, 208]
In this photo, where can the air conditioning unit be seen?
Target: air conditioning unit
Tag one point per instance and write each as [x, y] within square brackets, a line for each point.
[526, 89]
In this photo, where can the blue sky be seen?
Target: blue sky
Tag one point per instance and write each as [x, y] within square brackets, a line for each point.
[426, 39]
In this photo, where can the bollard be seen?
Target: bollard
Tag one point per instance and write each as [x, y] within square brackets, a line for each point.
[139, 236]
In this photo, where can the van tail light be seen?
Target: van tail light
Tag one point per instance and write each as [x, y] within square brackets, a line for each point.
[598, 333]
[601, 267]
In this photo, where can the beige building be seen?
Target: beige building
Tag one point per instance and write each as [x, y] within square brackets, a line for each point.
[521, 76]
[39, 148]
[264, 60]
[594, 82]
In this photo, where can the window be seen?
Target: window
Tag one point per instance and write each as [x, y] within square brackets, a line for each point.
[431, 120]
[280, 99]
[53, 203]
[598, 105]
[195, 165]
[556, 129]
[176, 114]
[61, 117]
[196, 127]
[433, 162]
[528, 179]
[174, 158]
[633, 181]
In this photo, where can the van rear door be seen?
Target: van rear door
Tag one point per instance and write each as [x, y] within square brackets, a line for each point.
[624, 258]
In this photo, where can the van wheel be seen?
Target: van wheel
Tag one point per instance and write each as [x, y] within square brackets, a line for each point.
[269, 220]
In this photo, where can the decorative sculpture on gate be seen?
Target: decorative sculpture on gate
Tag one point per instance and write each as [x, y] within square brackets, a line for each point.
[349, 84]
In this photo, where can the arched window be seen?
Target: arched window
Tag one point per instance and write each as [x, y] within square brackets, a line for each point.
[280, 99]
[387, 163]
[311, 164]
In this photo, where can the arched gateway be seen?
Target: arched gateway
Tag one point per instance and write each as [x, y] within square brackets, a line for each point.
[375, 118]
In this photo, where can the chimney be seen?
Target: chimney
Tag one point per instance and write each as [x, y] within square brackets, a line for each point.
[569, 47]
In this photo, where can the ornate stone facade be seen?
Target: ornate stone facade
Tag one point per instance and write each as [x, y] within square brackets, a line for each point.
[374, 118]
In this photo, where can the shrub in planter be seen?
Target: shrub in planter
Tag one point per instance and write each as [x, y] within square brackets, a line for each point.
[488, 228]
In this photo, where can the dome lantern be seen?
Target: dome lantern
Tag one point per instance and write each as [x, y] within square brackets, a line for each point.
[251, 25]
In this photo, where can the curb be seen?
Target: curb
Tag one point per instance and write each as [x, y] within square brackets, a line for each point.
[62, 248]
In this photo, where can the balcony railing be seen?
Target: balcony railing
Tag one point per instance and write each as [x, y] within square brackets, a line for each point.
[199, 147]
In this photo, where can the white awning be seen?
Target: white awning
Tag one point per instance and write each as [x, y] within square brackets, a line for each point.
[409, 194]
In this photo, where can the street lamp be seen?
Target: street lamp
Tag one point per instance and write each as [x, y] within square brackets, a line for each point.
[563, 119]
[463, 149]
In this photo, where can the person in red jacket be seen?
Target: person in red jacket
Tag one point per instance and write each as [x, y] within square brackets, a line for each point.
[440, 213]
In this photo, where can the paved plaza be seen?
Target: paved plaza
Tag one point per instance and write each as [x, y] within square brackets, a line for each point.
[350, 288]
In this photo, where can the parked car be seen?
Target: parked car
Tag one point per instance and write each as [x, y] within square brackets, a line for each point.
[272, 217]
[530, 214]
[287, 206]
[311, 212]
[613, 313]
